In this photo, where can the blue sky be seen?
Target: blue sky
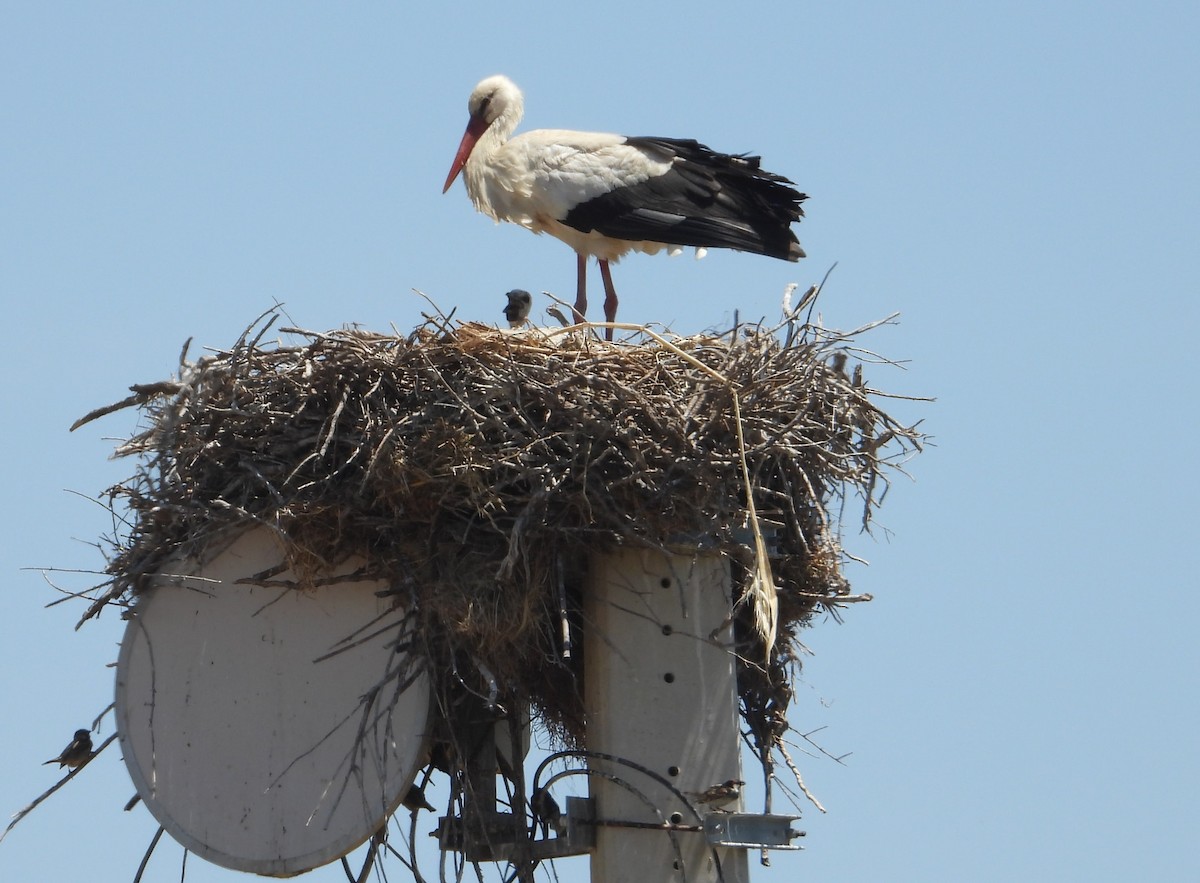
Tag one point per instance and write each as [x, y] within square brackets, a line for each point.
[1019, 181]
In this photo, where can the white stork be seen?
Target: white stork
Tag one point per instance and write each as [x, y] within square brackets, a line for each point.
[606, 195]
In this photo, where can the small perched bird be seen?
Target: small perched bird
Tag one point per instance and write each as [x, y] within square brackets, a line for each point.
[606, 195]
[76, 753]
[442, 756]
[415, 800]
[718, 795]
[545, 807]
[520, 302]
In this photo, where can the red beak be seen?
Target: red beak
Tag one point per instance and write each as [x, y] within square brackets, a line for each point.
[476, 126]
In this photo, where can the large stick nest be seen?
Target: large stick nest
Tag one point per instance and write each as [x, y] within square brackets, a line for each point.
[476, 470]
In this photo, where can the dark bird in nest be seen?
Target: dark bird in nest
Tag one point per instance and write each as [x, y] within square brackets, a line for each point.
[718, 795]
[415, 800]
[76, 753]
[520, 302]
[545, 808]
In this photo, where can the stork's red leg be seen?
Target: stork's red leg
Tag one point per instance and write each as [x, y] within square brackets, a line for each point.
[581, 288]
[610, 299]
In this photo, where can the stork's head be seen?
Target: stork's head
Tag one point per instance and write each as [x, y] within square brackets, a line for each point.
[494, 98]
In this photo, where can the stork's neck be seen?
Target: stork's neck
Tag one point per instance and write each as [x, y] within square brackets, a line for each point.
[501, 129]
[481, 166]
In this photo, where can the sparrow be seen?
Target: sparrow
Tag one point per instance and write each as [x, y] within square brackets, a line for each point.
[546, 809]
[520, 302]
[76, 753]
[415, 800]
[718, 795]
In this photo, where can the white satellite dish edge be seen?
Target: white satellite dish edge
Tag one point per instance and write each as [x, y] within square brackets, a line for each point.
[247, 750]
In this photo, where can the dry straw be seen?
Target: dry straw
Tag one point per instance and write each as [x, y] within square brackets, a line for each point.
[476, 469]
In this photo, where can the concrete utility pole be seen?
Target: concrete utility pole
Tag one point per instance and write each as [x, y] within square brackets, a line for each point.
[660, 693]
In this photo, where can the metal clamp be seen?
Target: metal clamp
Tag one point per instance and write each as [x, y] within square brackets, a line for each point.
[751, 830]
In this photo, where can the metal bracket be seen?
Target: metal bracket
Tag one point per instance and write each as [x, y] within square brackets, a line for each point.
[771, 532]
[576, 832]
[494, 838]
[580, 824]
[751, 831]
[484, 838]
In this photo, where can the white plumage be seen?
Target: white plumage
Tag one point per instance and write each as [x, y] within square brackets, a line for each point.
[606, 195]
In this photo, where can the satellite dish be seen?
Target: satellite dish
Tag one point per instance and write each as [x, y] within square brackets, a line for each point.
[250, 743]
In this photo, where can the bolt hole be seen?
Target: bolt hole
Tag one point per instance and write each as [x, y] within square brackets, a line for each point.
[668, 630]
[672, 771]
[676, 818]
[669, 678]
[665, 582]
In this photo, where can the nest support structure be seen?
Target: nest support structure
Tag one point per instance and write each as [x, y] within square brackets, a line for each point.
[476, 470]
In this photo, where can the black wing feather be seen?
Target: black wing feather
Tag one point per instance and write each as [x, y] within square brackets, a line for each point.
[707, 199]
